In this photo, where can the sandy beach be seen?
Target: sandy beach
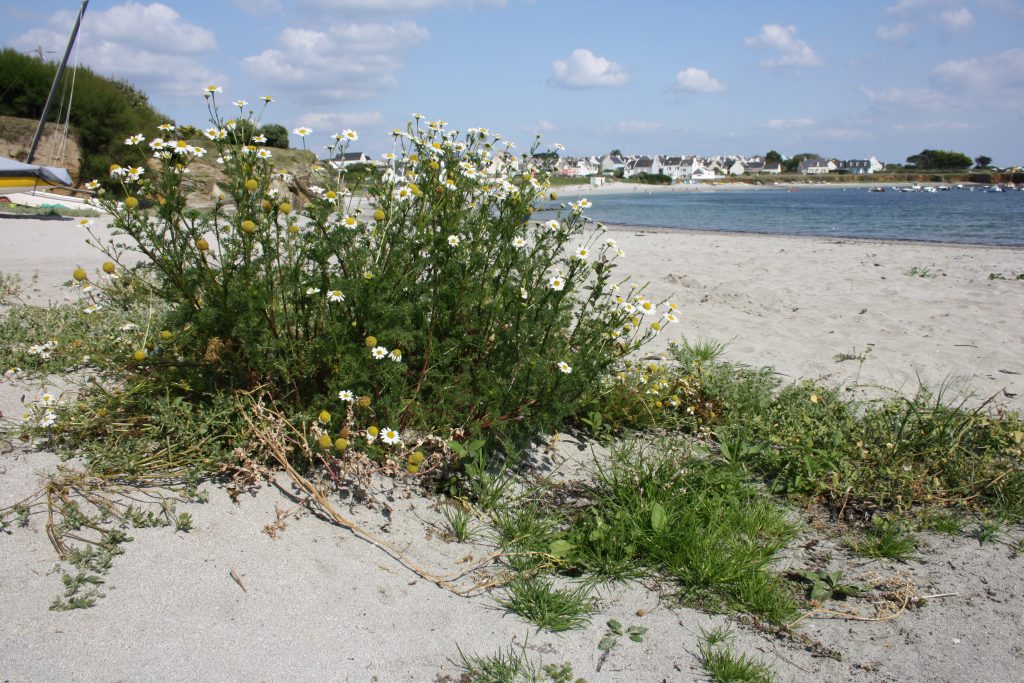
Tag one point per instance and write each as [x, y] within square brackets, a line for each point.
[318, 603]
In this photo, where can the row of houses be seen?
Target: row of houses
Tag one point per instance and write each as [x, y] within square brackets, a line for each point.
[703, 168]
[680, 168]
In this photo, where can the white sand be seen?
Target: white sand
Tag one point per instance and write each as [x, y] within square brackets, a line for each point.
[322, 605]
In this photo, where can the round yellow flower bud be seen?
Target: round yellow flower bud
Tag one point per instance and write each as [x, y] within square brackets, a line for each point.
[655, 326]
[412, 469]
[324, 441]
[248, 226]
[131, 202]
[340, 444]
[370, 342]
[553, 196]
[165, 334]
[331, 194]
[102, 412]
[80, 274]
[114, 167]
[266, 205]
[378, 215]
[109, 267]
[140, 355]
[202, 245]
[285, 207]
[324, 416]
[364, 402]
[251, 184]
[434, 165]
[293, 229]
[372, 431]
[416, 458]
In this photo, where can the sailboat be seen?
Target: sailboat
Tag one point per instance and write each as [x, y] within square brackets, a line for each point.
[18, 177]
[26, 183]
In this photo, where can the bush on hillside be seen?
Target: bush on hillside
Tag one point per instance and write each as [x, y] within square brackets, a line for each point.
[276, 135]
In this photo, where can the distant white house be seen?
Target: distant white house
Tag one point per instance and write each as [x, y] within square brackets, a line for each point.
[639, 165]
[610, 163]
[815, 166]
[861, 166]
[702, 173]
[350, 159]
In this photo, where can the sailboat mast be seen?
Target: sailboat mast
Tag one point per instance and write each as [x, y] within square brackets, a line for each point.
[56, 82]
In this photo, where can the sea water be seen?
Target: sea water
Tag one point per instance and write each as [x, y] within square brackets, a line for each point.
[957, 216]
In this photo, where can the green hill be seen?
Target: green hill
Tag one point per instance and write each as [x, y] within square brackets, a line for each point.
[104, 111]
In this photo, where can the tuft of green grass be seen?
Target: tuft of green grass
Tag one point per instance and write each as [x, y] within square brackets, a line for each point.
[941, 522]
[510, 665]
[887, 539]
[723, 665]
[988, 531]
[526, 532]
[540, 602]
[663, 512]
[459, 522]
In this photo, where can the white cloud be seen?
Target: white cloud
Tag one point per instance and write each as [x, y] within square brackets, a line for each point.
[956, 20]
[326, 121]
[787, 124]
[694, 80]
[895, 33]
[906, 6]
[151, 45]
[903, 98]
[844, 134]
[340, 62]
[993, 74]
[584, 69]
[792, 52]
[918, 127]
[543, 127]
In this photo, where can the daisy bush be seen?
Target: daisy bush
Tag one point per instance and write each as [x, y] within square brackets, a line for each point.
[447, 294]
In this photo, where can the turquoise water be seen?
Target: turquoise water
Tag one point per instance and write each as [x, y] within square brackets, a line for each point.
[957, 216]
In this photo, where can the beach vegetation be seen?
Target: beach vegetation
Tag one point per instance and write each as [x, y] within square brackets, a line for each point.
[886, 538]
[721, 663]
[550, 607]
[940, 159]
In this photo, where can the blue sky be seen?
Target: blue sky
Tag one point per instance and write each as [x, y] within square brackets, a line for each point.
[850, 79]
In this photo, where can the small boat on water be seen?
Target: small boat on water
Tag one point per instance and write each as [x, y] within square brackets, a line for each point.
[876, 189]
[17, 177]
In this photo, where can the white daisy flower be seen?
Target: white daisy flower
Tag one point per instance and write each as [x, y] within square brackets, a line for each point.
[454, 240]
[519, 242]
[335, 295]
[379, 352]
[346, 395]
[49, 419]
[302, 131]
[556, 283]
[390, 436]
[564, 367]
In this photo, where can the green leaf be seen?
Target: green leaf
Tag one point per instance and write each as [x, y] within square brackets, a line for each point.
[560, 548]
[615, 626]
[636, 630]
[607, 643]
[659, 518]
[636, 637]
[820, 591]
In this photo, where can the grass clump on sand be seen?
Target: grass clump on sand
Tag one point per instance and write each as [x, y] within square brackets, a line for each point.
[906, 454]
[692, 520]
[723, 665]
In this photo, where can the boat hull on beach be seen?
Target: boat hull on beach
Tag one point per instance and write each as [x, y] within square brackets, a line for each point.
[16, 177]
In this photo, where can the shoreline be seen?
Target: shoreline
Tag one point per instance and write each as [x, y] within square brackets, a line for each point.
[660, 229]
